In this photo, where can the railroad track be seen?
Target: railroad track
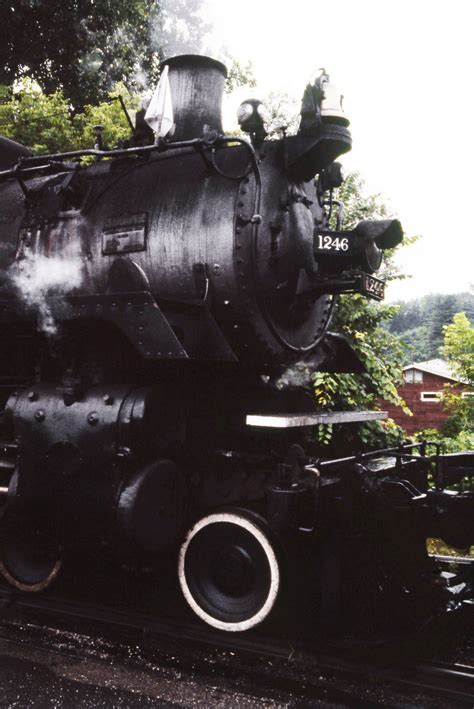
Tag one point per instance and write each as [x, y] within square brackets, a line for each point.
[454, 682]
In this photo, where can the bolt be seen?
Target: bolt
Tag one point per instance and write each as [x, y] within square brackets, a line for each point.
[39, 415]
[93, 418]
[32, 396]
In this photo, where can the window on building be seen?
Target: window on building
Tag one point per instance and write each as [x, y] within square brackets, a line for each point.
[413, 376]
[430, 395]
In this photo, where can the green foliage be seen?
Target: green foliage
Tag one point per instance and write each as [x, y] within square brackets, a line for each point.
[463, 441]
[420, 322]
[40, 121]
[457, 433]
[82, 48]
[238, 74]
[458, 347]
[363, 323]
[458, 350]
[357, 205]
[111, 116]
[45, 122]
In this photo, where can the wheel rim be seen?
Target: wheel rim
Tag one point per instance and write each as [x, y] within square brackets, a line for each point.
[229, 572]
[29, 562]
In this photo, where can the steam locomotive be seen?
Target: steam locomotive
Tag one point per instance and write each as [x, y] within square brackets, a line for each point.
[149, 296]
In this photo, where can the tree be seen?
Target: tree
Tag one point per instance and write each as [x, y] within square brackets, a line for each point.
[46, 124]
[458, 350]
[38, 120]
[238, 74]
[420, 322]
[82, 47]
[282, 114]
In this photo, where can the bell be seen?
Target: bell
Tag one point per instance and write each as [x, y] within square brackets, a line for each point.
[331, 104]
[330, 100]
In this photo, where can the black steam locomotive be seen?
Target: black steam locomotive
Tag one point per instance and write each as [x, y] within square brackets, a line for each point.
[147, 300]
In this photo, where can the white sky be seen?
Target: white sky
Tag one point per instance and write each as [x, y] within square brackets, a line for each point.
[406, 70]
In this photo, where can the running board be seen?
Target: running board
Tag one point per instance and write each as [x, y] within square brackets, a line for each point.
[315, 419]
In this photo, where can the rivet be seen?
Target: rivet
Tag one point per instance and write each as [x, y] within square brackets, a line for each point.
[39, 415]
[32, 396]
[108, 399]
[93, 418]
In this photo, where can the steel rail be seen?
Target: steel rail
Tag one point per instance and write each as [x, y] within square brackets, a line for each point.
[452, 681]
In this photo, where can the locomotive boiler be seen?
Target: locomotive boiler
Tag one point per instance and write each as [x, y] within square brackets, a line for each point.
[148, 297]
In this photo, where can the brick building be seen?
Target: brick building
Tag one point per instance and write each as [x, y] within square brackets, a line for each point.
[422, 387]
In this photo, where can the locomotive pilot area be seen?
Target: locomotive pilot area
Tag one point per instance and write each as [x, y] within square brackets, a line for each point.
[170, 532]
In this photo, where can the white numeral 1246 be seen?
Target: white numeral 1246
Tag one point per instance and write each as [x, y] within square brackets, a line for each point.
[336, 244]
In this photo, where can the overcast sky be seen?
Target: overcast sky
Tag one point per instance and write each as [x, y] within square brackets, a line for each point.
[406, 72]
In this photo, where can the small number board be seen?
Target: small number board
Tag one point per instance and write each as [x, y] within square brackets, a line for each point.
[326, 243]
[124, 234]
[372, 287]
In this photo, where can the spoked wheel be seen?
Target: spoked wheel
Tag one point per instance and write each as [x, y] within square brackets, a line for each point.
[229, 571]
[29, 561]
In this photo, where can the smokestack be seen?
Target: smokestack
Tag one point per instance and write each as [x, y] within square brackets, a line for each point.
[197, 88]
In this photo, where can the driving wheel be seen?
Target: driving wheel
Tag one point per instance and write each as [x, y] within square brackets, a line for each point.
[229, 571]
[29, 561]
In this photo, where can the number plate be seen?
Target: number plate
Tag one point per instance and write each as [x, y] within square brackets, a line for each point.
[325, 243]
[372, 287]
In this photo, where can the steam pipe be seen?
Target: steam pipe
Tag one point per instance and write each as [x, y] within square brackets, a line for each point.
[57, 159]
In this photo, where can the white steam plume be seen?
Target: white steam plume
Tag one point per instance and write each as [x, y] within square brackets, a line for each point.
[35, 277]
[181, 27]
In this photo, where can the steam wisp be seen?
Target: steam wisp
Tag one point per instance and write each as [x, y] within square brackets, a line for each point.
[181, 27]
[36, 277]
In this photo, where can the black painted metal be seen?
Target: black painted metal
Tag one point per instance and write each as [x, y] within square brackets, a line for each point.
[197, 87]
[200, 264]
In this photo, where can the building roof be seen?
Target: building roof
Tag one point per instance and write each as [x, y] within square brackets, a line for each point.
[439, 367]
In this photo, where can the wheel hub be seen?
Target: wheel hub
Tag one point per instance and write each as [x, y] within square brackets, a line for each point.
[232, 571]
